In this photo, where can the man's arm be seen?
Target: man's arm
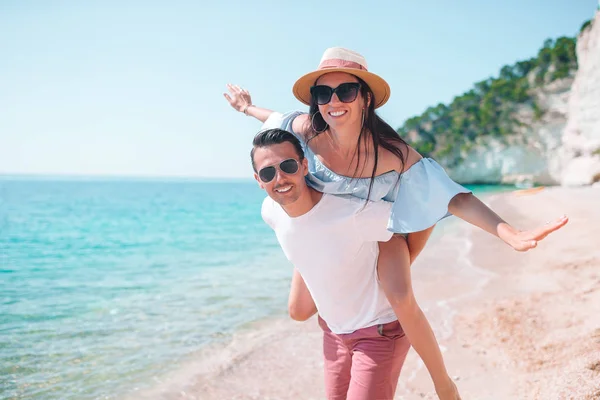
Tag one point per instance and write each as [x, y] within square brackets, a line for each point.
[301, 305]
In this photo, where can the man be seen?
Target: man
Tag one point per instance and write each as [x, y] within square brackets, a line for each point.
[332, 243]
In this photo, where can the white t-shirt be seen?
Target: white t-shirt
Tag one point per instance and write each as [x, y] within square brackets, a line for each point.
[334, 247]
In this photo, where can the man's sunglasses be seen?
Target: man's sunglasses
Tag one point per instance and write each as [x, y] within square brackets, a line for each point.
[289, 166]
[346, 92]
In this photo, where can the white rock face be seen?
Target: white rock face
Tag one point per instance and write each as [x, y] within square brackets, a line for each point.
[524, 157]
[578, 161]
[563, 147]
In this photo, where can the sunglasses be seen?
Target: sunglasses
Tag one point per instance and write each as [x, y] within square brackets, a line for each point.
[289, 167]
[346, 92]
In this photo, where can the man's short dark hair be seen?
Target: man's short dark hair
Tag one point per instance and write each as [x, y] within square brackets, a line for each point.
[270, 137]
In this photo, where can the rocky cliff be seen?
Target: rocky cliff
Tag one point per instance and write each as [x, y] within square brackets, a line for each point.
[525, 156]
[537, 123]
[577, 161]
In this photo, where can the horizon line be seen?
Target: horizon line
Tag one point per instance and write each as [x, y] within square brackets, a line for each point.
[75, 176]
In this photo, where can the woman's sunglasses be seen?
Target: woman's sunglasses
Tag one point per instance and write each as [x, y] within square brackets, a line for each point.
[289, 167]
[346, 92]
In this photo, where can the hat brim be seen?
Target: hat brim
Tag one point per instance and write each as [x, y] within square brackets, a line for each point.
[379, 87]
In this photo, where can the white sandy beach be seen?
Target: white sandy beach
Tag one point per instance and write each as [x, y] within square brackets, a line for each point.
[512, 325]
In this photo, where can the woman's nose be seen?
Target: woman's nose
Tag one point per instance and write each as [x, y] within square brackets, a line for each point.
[334, 99]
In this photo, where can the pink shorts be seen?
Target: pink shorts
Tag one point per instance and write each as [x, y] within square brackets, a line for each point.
[364, 364]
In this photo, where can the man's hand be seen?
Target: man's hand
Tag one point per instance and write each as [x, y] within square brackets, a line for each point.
[238, 98]
[526, 240]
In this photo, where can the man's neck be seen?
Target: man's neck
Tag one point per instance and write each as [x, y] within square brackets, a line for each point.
[304, 204]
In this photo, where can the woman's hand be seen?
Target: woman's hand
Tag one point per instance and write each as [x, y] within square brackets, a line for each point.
[527, 240]
[241, 101]
[238, 98]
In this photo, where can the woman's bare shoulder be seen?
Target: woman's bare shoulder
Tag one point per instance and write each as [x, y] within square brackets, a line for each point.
[410, 156]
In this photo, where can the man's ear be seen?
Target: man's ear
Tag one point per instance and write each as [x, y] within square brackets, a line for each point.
[260, 183]
[305, 166]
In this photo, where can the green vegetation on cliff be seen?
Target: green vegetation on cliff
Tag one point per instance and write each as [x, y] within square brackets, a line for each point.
[489, 107]
[587, 23]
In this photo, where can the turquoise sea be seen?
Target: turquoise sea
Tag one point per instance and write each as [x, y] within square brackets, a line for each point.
[106, 285]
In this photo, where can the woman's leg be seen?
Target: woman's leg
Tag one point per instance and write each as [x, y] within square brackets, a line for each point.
[393, 268]
[417, 241]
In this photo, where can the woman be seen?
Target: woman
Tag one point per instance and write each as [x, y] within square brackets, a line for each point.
[350, 150]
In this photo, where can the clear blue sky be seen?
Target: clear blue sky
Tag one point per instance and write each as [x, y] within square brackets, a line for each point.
[135, 88]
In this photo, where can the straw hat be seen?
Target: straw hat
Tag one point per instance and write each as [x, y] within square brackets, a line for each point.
[338, 59]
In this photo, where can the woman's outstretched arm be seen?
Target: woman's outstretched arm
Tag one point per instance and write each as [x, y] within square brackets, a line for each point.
[241, 101]
[472, 210]
[469, 208]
